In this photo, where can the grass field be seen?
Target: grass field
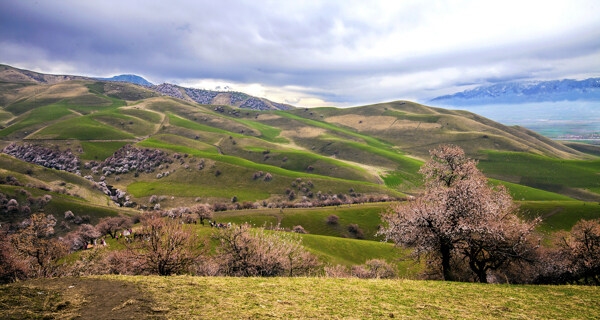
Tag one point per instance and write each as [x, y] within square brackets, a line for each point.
[82, 128]
[186, 297]
[184, 123]
[37, 116]
[59, 204]
[369, 140]
[154, 143]
[314, 220]
[560, 215]
[557, 175]
[523, 193]
[99, 150]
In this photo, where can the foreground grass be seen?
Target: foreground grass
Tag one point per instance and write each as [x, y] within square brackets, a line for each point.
[321, 298]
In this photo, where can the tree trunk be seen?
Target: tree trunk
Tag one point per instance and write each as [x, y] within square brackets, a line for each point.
[445, 251]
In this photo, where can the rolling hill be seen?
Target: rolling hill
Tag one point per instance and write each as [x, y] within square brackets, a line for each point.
[219, 151]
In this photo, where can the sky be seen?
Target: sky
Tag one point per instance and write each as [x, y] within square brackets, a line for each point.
[308, 53]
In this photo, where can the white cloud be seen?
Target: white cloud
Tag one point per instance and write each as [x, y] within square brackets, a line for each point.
[309, 52]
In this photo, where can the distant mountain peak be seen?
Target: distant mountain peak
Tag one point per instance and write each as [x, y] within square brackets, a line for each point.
[232, 98]
[131, 78]
[526, 91]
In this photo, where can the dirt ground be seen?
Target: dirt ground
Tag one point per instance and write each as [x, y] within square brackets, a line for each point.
[76, 298]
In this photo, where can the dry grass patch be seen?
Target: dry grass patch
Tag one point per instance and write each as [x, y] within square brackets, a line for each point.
[326, 298]
[303, 132]
[379, 123]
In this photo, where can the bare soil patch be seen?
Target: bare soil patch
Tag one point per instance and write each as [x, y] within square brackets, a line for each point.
[76, 298]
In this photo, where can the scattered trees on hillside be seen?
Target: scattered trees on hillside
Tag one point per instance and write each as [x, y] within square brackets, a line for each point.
[129, 158]
[50, 158]
[460, 215]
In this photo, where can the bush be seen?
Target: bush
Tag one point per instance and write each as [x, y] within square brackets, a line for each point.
[247, 253]
[12, 267]
[166, 246]
[356, 231]
[298, 229]
[337, 271]
[332, 219]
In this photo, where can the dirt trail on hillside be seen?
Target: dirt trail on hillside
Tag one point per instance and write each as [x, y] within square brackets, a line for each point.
[88, 298]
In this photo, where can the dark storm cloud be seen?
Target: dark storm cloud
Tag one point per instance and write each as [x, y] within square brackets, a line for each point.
[343, 52]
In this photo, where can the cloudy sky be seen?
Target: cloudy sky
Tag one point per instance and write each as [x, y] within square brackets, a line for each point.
[308, 53]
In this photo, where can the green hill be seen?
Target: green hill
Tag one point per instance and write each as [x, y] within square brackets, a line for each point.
[365, 151]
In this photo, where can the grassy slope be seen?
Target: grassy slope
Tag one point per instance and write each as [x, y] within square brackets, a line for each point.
[347, 252]
[154, 143]
[322, 298]
[523, 193]
[313, 220]
[576, 178]
[59, 204]
[560, 215]
[37, 116]
[38, 175]
[99, 150]
[82, 128]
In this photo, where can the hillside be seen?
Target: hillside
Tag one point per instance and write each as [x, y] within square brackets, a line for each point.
[231, 98]
[187, 297]
[368, 150]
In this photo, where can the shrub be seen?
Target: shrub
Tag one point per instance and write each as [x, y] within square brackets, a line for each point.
[337, 271]
[217, 206]
[298, 229]
[356, 231]
[12, 267]
[247, 253]
[332, 219]
[167, 246]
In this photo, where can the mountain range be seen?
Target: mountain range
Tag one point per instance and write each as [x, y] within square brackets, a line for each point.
[525, 92]
[202, 96]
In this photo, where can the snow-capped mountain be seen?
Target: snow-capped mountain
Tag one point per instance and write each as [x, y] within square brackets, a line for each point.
[526, 91]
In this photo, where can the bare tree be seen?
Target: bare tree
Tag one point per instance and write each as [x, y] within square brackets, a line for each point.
[246, 252]
[166, 246]
[36, 245]
[12, 267]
